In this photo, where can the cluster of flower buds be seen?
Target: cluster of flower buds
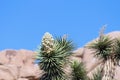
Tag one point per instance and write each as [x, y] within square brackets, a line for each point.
[47, 42]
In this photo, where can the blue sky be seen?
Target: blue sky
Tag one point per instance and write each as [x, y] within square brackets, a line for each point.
[23, 22]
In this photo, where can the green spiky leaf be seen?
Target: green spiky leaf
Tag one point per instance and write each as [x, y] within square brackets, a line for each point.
[102, 47]
[78, 71]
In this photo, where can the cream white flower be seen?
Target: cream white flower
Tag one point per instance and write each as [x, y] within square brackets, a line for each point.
[47, 42]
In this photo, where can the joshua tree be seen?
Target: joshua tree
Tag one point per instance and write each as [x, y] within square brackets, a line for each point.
[53, 55]
[78, 71]
[109, 50]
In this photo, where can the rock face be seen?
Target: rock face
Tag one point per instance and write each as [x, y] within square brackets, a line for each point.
[18, 65]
